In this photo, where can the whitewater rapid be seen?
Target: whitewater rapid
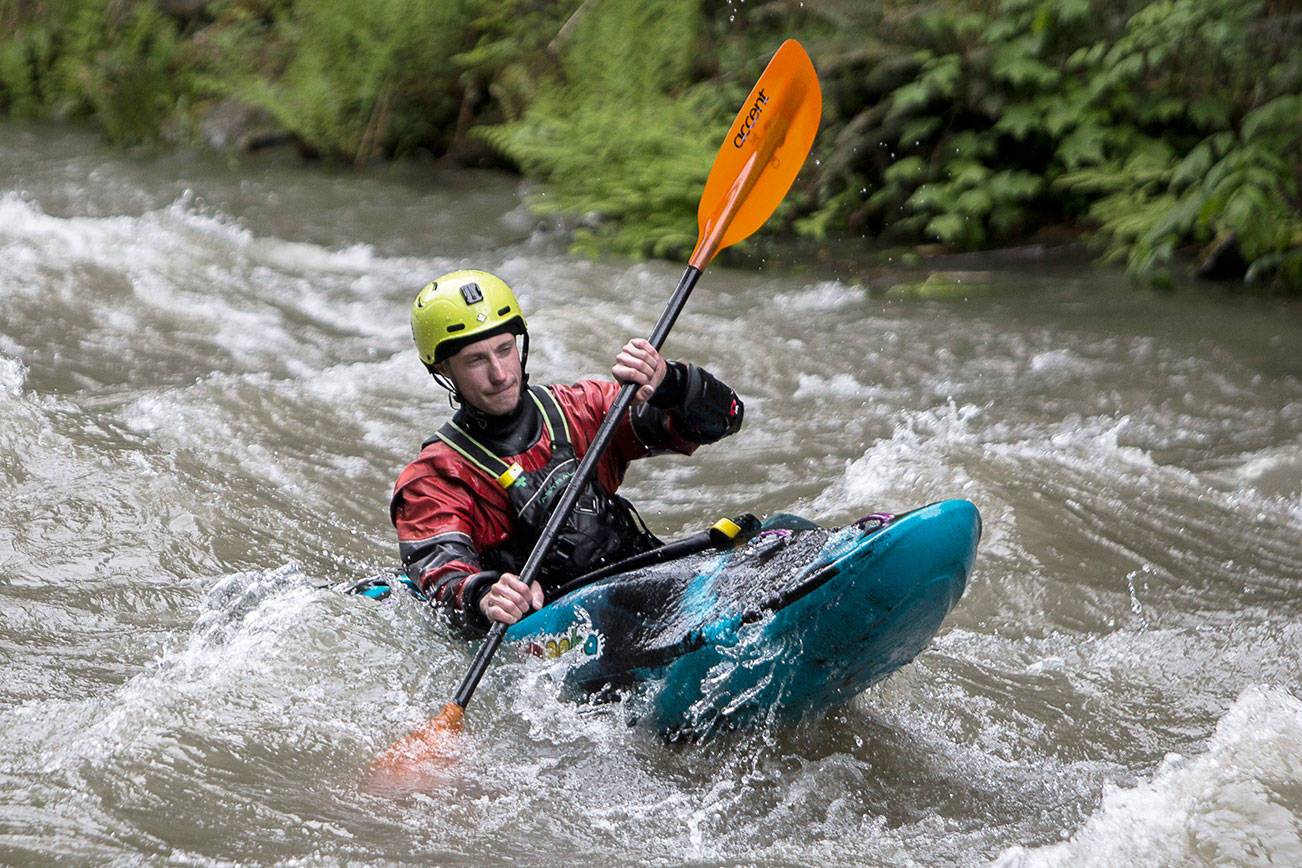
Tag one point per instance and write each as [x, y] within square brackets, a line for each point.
[207, 389]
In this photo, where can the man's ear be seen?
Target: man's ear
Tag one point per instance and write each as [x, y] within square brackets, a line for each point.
[442, 373]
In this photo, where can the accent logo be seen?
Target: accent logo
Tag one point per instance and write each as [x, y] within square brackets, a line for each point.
[751, 117]
[579, 636]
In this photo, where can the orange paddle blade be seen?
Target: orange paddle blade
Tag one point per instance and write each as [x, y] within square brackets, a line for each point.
[765, 148]
[433, 744]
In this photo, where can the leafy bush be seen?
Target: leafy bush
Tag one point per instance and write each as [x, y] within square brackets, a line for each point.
[1205, 103]
[619, 135]
[1162, 123]
[957, 139]
[353, 79]
[1166, 127]
[116, 62]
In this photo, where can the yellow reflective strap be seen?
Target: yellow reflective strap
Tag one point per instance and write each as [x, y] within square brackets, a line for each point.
[512, 473]
[727, 527]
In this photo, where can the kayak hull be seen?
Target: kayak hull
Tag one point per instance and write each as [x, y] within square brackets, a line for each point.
[797, 620]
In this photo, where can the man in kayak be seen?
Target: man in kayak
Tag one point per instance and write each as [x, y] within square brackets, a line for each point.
[469, 509]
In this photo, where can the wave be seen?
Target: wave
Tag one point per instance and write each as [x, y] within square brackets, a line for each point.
[1240, 802]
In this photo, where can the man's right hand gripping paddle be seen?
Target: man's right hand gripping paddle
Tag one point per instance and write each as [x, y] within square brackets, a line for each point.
[756, 164]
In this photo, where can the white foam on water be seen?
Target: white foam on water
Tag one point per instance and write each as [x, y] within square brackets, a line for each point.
[259, 299]
[13, 374]
[909, 466]
[398, 376]
[823, 297]
[116, 243]
[1238, 803]
[1273, 475]
[813, 386]
[946, 447]
[258, 666]
[265, 396]
[300, 257]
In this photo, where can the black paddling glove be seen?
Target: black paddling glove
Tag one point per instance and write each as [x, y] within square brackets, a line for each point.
[672, 389]
[704, 409]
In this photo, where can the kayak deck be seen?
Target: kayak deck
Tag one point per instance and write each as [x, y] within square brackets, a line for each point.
[798, 619]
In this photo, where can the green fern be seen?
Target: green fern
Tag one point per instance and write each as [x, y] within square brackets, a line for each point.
[622, 137]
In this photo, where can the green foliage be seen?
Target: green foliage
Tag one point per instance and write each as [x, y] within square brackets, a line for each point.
[1164, 127]
[116, 62]
[353, 79]
[957, 151]
[1163, 123]
[619, 135]
[1205, 147]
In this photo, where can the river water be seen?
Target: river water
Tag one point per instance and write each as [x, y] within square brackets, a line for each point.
[207, 389]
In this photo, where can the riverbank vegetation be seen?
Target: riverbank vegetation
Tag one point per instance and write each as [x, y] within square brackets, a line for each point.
[1168, 133]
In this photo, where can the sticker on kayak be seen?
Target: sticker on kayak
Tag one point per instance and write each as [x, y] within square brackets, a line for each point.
[581, 637]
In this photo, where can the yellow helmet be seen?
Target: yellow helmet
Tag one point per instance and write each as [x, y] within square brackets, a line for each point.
[459, 309]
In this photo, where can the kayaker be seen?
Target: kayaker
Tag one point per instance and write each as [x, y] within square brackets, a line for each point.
[469, 509]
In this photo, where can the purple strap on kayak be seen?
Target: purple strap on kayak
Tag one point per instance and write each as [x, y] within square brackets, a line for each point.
[882, 519]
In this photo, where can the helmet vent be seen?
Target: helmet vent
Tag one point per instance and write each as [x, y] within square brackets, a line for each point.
[504, 311]
[456, 326]
[470, 292]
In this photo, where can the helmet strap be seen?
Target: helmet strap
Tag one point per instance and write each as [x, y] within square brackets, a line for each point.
[454, 397]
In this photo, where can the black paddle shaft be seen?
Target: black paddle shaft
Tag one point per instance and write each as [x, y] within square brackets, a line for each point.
[565, 506]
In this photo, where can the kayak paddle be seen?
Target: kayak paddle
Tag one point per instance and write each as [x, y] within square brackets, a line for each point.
[756, 164]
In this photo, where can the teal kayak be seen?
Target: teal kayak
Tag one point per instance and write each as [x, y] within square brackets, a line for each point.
[798, 619]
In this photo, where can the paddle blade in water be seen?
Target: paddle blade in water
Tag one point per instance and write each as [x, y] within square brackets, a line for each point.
[762, 154]
[421, 751]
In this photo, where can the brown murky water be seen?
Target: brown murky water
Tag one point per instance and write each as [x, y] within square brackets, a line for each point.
[206, 391]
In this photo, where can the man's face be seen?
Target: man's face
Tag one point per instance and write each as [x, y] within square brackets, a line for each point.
[487, 374]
